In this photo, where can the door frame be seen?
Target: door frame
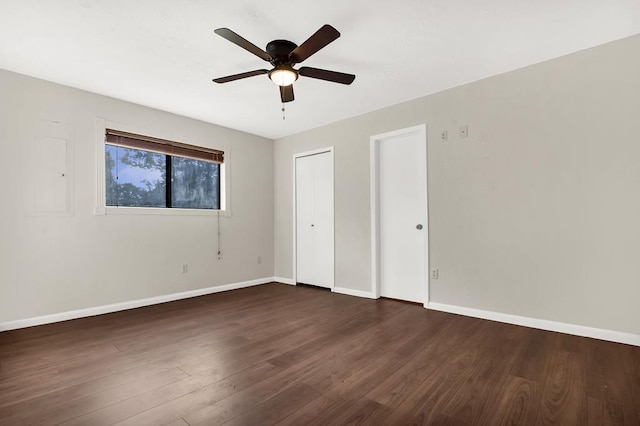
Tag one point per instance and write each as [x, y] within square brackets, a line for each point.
[329, 150]
[374, 151]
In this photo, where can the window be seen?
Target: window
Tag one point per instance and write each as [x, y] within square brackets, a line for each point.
[141, 171]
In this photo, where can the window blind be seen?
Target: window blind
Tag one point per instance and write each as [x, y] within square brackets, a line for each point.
[162, 146]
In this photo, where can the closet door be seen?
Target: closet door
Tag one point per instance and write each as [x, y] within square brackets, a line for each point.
[314, 220]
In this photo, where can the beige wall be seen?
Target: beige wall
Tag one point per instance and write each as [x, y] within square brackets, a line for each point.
[535, 214]
[57, 264]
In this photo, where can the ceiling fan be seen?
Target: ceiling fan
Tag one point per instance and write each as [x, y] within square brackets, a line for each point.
[283, 55]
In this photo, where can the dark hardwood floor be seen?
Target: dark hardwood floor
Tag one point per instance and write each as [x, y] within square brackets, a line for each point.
[279, 354]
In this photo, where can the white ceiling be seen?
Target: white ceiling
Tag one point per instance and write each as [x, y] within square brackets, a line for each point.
[164, 53]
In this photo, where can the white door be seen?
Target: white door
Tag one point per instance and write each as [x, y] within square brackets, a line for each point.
[314, 219]
[403, 216]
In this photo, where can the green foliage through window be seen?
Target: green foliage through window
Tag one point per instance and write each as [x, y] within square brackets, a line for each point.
[138, 178]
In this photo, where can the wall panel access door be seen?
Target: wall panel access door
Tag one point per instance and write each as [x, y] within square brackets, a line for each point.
[314, 219]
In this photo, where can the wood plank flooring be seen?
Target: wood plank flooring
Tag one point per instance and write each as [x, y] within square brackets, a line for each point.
[279, 354]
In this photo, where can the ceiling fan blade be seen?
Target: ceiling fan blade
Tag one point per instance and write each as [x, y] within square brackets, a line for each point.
[245, 44]
[333, 76]
[286, 93]
[317, 41]
[239, 76]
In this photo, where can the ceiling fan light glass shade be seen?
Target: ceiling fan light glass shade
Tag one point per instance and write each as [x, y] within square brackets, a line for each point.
[283, 75]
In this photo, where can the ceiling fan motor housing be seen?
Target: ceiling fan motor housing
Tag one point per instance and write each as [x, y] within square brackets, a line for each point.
[280, 50]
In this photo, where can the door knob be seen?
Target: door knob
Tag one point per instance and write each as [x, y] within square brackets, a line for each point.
[419, 226]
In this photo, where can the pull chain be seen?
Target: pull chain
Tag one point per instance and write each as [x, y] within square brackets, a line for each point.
[219, 251]
[283, 110]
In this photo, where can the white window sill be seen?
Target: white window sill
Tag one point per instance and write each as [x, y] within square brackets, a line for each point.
[155, 211]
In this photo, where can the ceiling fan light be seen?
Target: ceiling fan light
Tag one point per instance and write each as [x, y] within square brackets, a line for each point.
[283, 75]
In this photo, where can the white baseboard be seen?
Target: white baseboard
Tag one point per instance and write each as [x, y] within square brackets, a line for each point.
[357, 293]
[105, 309]
[577, 330]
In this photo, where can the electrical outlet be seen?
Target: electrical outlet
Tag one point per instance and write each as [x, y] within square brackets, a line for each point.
[434, 274]
[464, 131]
[185, 268]
[444, 136]
[259, 259]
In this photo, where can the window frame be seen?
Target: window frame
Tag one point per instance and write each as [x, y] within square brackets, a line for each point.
[102, 209]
